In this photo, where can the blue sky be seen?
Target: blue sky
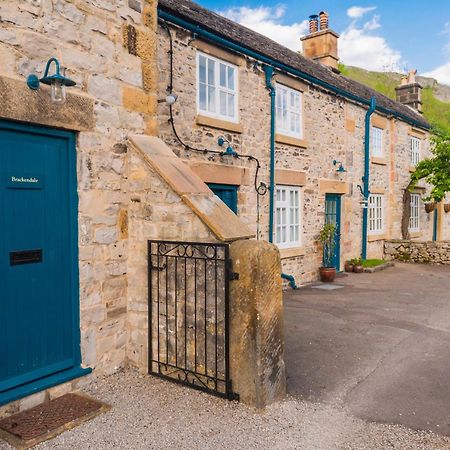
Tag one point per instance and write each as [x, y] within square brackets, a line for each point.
[377, 35]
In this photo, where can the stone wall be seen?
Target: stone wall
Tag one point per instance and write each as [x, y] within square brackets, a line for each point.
[114, 96]
[418, 252]
[333, 129]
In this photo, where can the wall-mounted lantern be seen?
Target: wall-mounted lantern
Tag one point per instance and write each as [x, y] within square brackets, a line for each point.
[229, 150]
[58, 81]
[340, 169]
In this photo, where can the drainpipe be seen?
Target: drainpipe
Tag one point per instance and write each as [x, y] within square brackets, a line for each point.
[366, 192]
[268, 71]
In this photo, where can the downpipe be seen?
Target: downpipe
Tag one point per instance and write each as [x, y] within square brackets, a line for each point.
[365, 179]
[268, 72]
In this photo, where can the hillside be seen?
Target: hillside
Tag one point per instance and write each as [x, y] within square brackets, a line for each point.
[435, 96]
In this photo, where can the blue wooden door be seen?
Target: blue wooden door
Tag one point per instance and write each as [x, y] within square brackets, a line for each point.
[227, 193]
[39, 312]
[333, 215]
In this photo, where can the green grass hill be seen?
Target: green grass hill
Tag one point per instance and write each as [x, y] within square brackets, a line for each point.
[435, 96]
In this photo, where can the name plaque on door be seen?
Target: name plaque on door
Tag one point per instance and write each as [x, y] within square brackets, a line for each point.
[24, 181]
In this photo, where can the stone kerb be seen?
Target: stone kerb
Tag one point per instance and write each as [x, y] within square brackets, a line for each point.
[257, 326]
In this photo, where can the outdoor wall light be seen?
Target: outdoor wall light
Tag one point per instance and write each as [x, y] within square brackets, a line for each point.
[229, 150]
[58, 81]
[171, 98]
[340, 169]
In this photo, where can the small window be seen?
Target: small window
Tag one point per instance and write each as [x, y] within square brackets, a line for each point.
[414, 150]
[376, 214]
[289, 112]
[414, 219]
[287, 216]
[376, 142]
[217, 88]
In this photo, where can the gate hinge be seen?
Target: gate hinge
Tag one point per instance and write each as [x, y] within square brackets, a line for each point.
[231, 275]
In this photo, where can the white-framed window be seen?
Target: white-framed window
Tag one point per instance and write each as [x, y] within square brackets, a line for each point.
[287, 216]
[376, 213]
[414, 150]
[289, 117]
[414, 219]
[376, 141]
[217, 88]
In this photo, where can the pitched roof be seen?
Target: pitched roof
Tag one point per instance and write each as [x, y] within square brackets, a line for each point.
[225, 28]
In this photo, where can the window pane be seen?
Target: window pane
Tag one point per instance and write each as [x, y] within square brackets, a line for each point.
[223, 75]
[231, 78]
[231, 105]
[202, 69]
[202, 97]
[223, 103]
[212, 99]
[211, 69]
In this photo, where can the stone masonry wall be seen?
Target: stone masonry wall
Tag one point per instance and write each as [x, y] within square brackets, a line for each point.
[333, 129]
[418, 252]
[91, 39]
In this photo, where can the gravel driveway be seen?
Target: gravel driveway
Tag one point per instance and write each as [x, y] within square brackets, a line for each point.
[149, 413]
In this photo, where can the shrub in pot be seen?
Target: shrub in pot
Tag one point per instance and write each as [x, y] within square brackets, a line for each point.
[327, 237]
[359, 268]
[349, 266]
[429, 207]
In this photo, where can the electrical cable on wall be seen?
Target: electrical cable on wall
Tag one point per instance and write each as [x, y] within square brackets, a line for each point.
[260, 189]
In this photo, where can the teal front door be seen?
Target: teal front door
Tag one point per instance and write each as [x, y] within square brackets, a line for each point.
[39, 310]
[227, 193]
[333, 215]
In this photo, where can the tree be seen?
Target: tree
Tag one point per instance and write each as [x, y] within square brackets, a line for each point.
[434, 170]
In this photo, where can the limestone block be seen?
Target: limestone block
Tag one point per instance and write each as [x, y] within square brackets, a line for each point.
[106, 235]
[32, 400]
[257, 328]
[105, 88]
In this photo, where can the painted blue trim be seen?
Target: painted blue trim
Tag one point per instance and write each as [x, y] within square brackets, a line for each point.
[435, 223]
[366, 191]
[291, 280]
[337, 198]
[198, 30]
[42, 384]
[71, 174]
[268, 71]
[232, 188]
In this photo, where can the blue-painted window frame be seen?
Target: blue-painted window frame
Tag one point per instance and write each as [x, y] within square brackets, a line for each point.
[232, 188]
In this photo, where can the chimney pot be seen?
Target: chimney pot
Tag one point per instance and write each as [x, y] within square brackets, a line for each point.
[313, 23]
[323, 17]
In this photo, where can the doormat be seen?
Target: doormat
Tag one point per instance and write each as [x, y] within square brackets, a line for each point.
[327, 287]
[45, 421]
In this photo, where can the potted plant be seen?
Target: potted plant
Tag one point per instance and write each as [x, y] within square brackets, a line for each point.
[447, 207]
[327, 239]
[349, 265]
[429, 207]
[359, 268]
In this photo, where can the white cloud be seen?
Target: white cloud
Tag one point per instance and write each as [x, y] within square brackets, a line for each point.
[267, 21]
[355, 12]
[358, 45]
[441, 73]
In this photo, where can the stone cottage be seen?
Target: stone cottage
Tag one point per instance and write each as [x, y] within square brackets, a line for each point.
[133, 131]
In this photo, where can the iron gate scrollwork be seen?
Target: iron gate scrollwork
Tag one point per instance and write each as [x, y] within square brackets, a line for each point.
[189, 314]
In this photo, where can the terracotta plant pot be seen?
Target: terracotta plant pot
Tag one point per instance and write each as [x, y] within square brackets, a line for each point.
[359, 269]
[327, 274]
[447, 207]
[349, 267]
[429, 207]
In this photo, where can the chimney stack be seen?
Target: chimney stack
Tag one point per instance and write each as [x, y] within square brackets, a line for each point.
[410, 91]
[321, 44]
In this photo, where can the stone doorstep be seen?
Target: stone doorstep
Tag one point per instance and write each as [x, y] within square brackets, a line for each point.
[380, 267]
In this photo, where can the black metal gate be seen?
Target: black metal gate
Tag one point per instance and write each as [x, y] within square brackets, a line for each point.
[189, 314]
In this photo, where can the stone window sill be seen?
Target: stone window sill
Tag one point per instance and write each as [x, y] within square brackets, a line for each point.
[378, 160]
[415, 234]
[218, 123]
[283, 139]
[292, 252]
[376, 237]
